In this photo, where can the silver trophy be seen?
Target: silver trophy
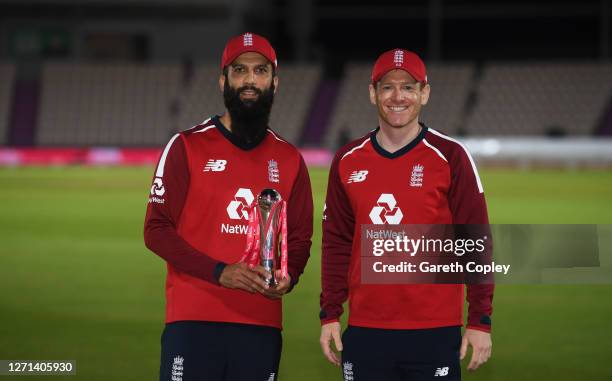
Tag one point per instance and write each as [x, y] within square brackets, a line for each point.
[270, 207]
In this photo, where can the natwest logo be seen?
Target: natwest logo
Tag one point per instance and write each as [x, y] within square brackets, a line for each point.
[157, 191]
[238, 208]
[157, 188]
[386, 211]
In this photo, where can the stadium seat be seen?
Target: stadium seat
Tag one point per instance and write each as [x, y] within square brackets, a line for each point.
[106, 104]
[7, 81]
[143, 105]
[541, 99]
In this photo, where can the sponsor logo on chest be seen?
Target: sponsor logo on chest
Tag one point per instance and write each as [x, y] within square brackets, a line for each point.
[238, 210]
[386, 211]
[238, 207]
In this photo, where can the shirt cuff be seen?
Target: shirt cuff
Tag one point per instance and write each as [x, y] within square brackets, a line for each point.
[219, 267]
[481, 323]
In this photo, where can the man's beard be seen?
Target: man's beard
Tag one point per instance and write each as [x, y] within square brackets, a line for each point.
[249, 117]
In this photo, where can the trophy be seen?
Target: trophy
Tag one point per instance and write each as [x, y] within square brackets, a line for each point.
[267, 235]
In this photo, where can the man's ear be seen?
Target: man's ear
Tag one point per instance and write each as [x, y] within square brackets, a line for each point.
[425, 94]
[372, 90]
[222, 82]
[275, 81]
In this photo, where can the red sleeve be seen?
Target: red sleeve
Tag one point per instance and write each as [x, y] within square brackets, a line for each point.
[338, 230]
[468, 206]
[299, 224]
[168, 194]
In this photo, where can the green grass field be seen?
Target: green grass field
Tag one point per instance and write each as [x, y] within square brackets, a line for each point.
[77, 282]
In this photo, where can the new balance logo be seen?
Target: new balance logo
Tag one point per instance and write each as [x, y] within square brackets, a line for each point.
[215, 165]
[385, 211]
[357, 176]
[271, 378]
[441, 372]
[247, 39]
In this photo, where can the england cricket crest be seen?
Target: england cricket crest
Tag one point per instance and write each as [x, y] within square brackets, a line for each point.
[273, 173]
[416, 177]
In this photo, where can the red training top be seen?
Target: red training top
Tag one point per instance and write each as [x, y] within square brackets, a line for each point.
[197, 219]
[432, 180]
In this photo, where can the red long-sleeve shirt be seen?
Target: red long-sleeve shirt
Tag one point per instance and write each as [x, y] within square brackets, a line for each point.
[196, 219]
[433, 180]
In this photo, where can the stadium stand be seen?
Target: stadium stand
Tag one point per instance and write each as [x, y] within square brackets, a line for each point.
[7, 81]
[297, 84]
[541, 99]
[296, 89]
[143, 105]
[199, 98]
[355, 116]
[106, 104]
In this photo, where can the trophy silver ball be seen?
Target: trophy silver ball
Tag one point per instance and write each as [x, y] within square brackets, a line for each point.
[267, 198]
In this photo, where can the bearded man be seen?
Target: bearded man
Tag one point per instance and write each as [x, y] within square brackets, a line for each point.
[223, 321]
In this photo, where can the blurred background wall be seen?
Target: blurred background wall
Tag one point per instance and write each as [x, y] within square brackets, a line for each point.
[131, 73]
